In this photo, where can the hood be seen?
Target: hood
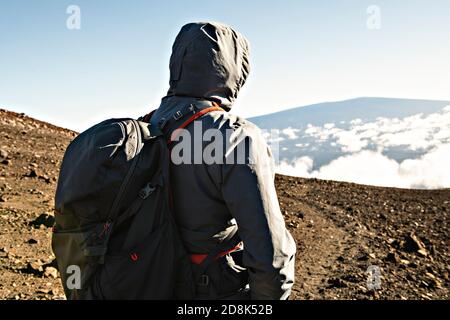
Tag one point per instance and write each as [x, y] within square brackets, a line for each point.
[209, 60]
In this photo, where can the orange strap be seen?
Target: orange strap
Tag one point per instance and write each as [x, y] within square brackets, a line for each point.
[194, 117]
[215, 107]
[199, 258]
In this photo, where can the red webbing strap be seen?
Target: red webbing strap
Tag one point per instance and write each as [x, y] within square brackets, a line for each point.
[194, 117]
[199, 258]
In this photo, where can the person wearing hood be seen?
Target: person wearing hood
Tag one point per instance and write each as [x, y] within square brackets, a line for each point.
[216, 202]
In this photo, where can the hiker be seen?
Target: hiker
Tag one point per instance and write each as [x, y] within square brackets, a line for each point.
[208, 66]
[134, 222]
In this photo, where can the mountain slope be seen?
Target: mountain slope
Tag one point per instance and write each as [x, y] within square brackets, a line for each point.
[341, 229]
[366, 109]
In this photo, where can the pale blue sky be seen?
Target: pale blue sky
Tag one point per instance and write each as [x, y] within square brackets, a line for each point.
[302, 52]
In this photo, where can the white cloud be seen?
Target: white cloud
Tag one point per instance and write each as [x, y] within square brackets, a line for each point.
[302, 145]
[356, 121]
[367, 167]
[311, 130]
[430, 171]
[290, 133]
[272, 136]
[300, 167]
[430, 134]
[349, 141]
[413, 139]
[373, 168]
[415, 132]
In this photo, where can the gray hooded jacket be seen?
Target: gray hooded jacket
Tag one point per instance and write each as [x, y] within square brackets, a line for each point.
[210, 62]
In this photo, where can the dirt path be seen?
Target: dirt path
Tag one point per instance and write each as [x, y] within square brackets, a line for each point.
[320, 245]
[344, 229]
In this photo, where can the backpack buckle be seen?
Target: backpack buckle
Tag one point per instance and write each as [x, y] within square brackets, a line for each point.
[192, 108]
[146, 191]
[177, 115]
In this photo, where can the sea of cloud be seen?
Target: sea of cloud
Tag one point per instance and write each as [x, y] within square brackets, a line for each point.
[363, 154]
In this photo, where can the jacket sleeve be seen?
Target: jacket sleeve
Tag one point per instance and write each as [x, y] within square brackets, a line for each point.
[249, 191]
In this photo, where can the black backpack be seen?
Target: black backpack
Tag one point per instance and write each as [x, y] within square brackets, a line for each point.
[115, 236]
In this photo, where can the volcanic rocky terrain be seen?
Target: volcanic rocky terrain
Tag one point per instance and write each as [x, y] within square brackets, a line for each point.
[354, 241]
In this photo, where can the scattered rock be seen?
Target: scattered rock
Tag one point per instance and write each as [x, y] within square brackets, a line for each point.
[392, 257]
[3, 198]
[434, 281]
[351, 278]
[33, 268]
[3, 154]
[52, 263]
[32, 241]
[425, 297]
[45, 177]
[293, 224]
[362, 256]
[44, 219]
[51, 272]
[423, 252]
[32, 174]
[5, 187]
[393, 242]
[405, 262]
[43, 291]
[413, 244]
[336, 283]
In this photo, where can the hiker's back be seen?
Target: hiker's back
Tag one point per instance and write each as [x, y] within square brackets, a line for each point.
[201, 196]
[200, 211]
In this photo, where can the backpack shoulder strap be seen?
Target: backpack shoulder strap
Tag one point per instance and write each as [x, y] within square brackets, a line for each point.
[147, 117]
[188, 113]
[192, 118]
